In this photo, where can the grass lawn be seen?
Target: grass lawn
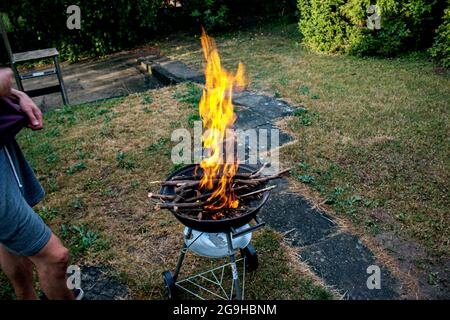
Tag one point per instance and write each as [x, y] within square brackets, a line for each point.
[374, 145]
[96, 163]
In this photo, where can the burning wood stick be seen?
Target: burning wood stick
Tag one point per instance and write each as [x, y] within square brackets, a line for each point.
[185, 181]
[191, 200]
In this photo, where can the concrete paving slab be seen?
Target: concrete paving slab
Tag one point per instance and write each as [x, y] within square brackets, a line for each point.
[283, 137]
[267, 106]
[173, 72]
[247, 119]
[342, 261]
[293, 215]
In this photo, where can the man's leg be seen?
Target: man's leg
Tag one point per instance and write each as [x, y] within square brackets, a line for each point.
[51, 264]
[19, 271]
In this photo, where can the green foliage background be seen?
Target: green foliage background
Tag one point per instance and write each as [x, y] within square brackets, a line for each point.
[441, 46]
[339, 26]
[112, 25]
[333, 26]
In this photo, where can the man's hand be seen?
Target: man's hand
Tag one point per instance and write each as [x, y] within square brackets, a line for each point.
[30, 109]
[6, 81]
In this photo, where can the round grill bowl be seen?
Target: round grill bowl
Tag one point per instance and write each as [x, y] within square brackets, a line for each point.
[223, 225]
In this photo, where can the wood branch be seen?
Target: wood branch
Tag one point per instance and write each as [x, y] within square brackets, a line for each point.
[178, 199]
[161, 196]
[249, 178]
[180, 205]
[209, 194]
[264, 179]
[258, 172]
[184, 177]
[190, 201]
[189, 210]
[174, 182]
[257, 192]
[185, 187]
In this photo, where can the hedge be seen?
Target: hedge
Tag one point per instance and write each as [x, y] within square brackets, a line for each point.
[441, 46]
[340, 26]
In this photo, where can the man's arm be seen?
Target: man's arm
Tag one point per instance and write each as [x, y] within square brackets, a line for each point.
[30, 109]
[6, 79]
[26, 104]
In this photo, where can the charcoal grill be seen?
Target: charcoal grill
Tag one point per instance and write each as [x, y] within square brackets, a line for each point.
[216, 239]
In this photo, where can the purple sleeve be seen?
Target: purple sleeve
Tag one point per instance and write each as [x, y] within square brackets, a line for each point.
[12, 119]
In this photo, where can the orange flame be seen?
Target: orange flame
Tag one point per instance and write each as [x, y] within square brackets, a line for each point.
[216, 111]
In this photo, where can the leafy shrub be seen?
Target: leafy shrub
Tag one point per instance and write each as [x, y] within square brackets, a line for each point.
[211, 14]
[321, 25]
[441, 47]
[340, 26]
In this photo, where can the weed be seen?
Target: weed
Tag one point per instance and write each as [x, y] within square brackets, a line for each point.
[79, 166]
[81, 239]
[158, 145]
[48, 214]
[124, 161]
[306, 178]
[147, 99]
[303, 90]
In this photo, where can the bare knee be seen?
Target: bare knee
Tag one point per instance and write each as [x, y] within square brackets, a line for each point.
[59, 257]
[53, 256]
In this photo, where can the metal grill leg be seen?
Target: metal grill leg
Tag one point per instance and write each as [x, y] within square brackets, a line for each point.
[234, 270]
[61, 81]
[181, 257]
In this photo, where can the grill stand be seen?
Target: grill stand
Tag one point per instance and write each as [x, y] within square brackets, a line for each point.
[249, 261]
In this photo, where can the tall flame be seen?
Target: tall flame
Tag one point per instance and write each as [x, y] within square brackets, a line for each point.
[216, 111]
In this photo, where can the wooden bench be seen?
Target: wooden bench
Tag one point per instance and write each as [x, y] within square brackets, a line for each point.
[21, 57]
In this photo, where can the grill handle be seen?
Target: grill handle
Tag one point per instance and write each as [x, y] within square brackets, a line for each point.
[257, 226]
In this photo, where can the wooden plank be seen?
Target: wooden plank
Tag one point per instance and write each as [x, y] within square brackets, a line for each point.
[43, 91]
[34, 55]
[37, 74]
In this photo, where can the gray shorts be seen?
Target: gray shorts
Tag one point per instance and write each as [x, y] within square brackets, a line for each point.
[22, 231]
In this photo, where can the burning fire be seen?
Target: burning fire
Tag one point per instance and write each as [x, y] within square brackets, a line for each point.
[216, 111]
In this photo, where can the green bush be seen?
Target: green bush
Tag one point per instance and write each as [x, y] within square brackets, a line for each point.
[340, 26]
[441, 46]
[212, 14]
[321, 25]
